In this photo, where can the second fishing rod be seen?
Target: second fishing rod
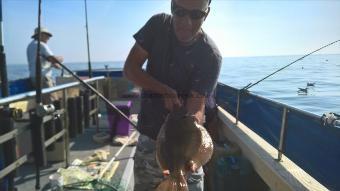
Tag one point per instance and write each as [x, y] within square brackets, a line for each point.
[247, 87]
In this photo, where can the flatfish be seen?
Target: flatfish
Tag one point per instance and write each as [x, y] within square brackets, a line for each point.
[181, 143]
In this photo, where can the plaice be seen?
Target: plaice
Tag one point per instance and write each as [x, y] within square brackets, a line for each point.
[181, 143]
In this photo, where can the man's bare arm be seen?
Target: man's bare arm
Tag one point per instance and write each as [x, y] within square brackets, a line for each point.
[196, 106]
[55, 60]
[134, 72]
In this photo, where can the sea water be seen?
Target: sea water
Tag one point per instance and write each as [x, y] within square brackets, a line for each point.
[321, 70]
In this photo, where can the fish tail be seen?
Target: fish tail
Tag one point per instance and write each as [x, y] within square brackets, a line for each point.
[174, 182]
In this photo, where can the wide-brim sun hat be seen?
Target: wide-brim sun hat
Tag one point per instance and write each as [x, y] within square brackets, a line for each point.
[42, 30]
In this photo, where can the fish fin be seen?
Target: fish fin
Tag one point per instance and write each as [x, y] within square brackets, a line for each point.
[205, 150]
[173, 183]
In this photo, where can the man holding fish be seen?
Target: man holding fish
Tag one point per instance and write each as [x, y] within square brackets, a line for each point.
[183, 65]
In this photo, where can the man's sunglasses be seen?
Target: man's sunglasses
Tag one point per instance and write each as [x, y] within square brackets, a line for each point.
[181, 12]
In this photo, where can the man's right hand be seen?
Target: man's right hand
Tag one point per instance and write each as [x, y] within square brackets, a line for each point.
[60, 58]
[55, 60]
[134, 72]
[171, 100]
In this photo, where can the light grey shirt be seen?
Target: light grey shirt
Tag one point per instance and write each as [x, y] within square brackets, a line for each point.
[46, 66]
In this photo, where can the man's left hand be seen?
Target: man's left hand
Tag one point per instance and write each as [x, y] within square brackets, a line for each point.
[192, 166]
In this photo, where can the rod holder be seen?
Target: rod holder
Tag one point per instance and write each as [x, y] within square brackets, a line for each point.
[282, 133]
[238, 106]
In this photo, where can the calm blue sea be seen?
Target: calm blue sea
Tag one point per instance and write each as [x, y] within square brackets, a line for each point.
[323, 70]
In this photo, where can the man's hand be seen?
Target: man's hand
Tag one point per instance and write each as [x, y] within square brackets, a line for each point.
[171, 100]
[55, 65]
[192, 166]
[60, 58]
[55, 60]
[195, 106]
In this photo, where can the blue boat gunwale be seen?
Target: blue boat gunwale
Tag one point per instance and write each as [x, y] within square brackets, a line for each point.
[280, 175]
[306, 140]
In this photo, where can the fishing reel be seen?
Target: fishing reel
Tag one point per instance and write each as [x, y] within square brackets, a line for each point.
[331, 120]
[43, 110]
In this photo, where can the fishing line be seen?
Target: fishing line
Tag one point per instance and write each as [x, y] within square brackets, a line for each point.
[253, 84]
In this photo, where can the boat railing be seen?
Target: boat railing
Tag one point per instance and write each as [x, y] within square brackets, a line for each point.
[9, 132]
[31, 94]
[294, 133]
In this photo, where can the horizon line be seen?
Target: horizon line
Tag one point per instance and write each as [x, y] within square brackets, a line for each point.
[245, 56]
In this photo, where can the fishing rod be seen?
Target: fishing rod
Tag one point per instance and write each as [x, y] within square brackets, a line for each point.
[112, 106]
[88, 42]
[247, 87]
[108, 102]
[253, 84]
[102, 172]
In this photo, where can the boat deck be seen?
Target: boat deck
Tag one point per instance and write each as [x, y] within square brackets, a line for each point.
[80, 148]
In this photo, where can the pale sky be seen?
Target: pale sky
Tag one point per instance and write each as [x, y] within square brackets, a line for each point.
[239, 27]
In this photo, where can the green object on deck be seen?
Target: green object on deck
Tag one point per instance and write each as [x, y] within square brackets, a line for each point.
[96, 185]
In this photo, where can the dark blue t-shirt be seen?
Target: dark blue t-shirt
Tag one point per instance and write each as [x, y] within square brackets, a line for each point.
[184, 68]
